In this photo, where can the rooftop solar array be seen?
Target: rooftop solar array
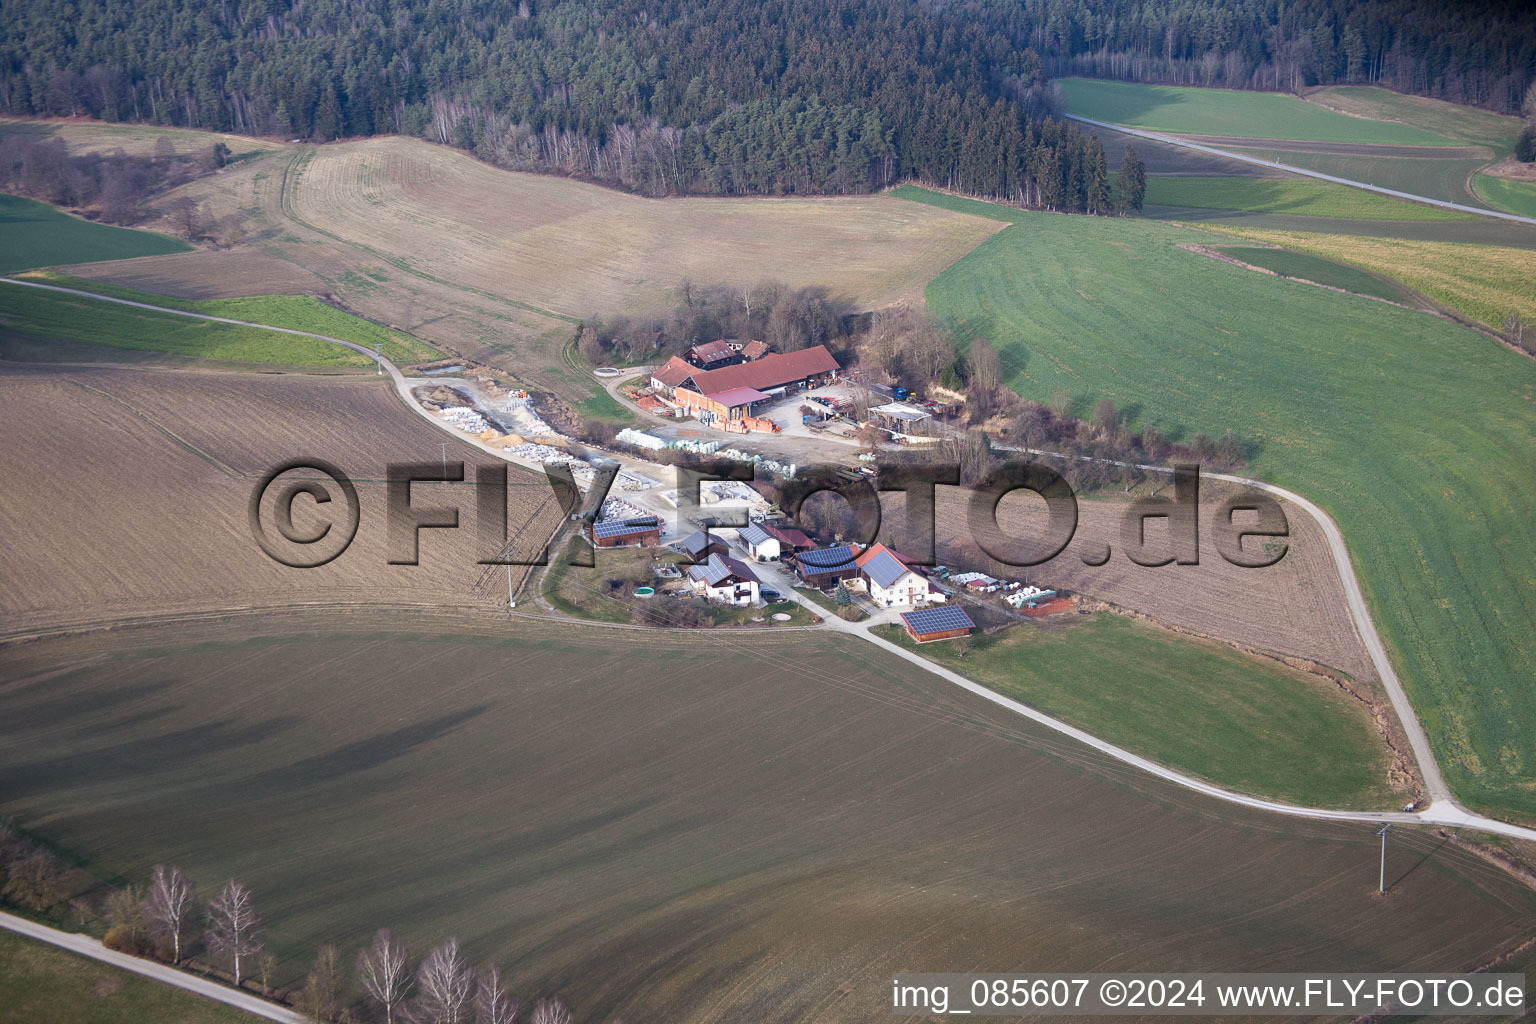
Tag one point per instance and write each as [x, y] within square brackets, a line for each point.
[826, 558]
[755, 534]
[710, 572]
[937, 620]
[620, 527]
[885, 569]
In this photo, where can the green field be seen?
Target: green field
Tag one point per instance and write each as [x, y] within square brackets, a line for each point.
[1307, 267]
[1194, 111]
[1442, 178]
[43, 985]
[1509, 196]
[1300, 196]
[1415, 434]
[35, 234]
[33, 312]
[295, 312]
[1484, 283]
[1467, 125]
[682, 827]
[1231, 719]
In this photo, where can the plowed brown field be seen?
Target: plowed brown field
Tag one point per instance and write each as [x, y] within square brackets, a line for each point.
[126, 495]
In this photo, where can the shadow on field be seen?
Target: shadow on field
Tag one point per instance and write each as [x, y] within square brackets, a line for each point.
[353, 757]
[152, 755]
[1419, 863]
[74, 704]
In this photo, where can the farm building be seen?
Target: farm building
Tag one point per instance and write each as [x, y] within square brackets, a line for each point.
[735, 404]
[929, 624]
[790, 539]
[724, 580]
[699, 545]
[761, 544]
[898, 416]
[891, 581]
[754, 350]
[825, 567]
[614, 533]
[712, 355]
[773, 374]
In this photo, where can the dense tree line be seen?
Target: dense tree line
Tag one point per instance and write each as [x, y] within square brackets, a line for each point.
[1481, 53]
[787, 319]
[110, 185]
[661, 96]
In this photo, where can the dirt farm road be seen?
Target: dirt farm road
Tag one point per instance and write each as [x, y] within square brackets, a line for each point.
[1442, 810]
[1182, 143]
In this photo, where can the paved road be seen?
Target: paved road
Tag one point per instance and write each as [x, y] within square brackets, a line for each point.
[86, 946]
[1174, 140]
[1443, 809]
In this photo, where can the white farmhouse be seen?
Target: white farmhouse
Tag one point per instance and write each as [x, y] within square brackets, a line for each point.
[892, 584]
[725, 581]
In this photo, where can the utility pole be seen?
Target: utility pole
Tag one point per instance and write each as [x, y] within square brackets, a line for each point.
[1381, 886]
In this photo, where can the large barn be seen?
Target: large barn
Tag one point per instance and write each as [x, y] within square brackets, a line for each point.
[773, 374]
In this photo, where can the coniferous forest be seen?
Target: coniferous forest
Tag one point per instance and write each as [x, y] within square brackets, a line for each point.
[726, 96]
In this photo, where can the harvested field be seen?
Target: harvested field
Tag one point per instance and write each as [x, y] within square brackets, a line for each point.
[220, 274]
[575, 249]
[97, 456]
[737, 837]
[1294, 608]
[87, 136]
[497, 267]
[1414, 433]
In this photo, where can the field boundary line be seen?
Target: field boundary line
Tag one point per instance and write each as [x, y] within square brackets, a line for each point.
[1443, 808]
[92, 949]
[1174, 140]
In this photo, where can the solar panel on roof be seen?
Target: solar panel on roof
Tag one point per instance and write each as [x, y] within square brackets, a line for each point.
[937, 620]
[827, 558]
[755, 534]
[619, 527]
[884, 569]
[711, 572]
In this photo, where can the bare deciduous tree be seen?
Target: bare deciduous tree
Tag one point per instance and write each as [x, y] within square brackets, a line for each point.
[233, 927]
[170, 899]
[550, 1011]
[492, 1003]
[444, 984]
[321, 998]
[384, 970]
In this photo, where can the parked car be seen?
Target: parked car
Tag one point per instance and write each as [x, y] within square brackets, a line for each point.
[770, 595]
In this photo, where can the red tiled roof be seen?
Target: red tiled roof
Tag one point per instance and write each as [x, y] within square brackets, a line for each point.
[710, 351]
[674, 372]
[754, 349]
[791, 536]
[873, 550]
[764, 374]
